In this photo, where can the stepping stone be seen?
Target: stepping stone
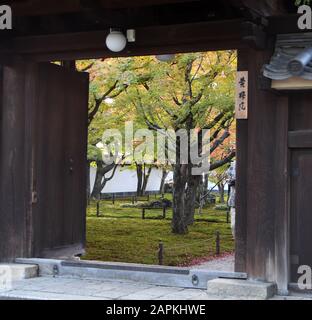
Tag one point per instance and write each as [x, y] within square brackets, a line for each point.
[241, 289]
[19, 271]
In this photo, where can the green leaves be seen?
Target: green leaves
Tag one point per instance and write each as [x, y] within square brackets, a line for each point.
[302, 2]
[187, 92]
[94, 153]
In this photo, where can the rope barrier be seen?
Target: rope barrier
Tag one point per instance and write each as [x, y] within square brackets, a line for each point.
[213, 245]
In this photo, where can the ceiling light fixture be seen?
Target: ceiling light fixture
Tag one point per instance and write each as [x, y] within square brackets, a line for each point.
[116, 41]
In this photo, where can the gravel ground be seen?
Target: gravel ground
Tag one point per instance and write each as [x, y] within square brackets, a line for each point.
[225, 263]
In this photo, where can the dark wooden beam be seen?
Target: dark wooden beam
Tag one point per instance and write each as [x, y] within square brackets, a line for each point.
[263, 8]
[254, 35]
[300, 139]
[204, 36]
[48, 7]
[284, 24]
[97, 18]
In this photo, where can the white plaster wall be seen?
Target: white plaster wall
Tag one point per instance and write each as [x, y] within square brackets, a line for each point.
[125, 180]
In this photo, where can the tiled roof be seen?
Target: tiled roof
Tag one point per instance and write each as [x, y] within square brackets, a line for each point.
[283, 64]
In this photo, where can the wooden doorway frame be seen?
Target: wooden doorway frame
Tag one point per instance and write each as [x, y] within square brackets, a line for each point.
[263, 220]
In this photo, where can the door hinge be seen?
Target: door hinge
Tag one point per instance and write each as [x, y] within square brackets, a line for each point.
[34, 197]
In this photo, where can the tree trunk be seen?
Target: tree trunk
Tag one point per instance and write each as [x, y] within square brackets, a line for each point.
[143, 178]
[97, 188]
[146, 178]
[178, 220]
[206, 182]
[100, 179]
[163, 180]
[193, 181]
[221, 192]
[190, 199]
[139, 169]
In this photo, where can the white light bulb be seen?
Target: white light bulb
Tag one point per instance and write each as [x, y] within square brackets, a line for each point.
[116, 41]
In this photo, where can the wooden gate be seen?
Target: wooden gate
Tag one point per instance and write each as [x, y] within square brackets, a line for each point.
[300, 143]
[47, 155]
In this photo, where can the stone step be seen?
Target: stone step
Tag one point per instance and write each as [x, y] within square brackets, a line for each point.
[241, 289]
[16, 271]
[155, 275]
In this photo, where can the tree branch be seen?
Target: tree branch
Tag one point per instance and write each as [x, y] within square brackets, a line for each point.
[223, 161]
[99, 101]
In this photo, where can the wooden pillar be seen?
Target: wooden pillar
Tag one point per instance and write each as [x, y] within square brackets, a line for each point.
[241, 180]
[262, 187]
[282, 194]
[260, 173]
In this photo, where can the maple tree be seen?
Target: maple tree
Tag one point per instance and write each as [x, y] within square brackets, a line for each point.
[193, 91]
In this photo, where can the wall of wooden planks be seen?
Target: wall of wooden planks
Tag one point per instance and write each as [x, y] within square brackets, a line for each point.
[14, 163]
[43, 160]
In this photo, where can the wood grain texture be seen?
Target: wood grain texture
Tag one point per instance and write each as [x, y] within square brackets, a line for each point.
[14, 170]
[260, 170]
[300, 139]
[43, 132]
[300, 144]
[220, 35]
[281, 195]
[48, 7]
[60, 156]
[241, 180]
[301, 218]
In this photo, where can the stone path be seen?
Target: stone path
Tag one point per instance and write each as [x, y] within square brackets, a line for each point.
[219, 264]
[60, 288]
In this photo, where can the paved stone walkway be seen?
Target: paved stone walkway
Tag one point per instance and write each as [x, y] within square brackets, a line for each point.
[48, 288]
[61, 288]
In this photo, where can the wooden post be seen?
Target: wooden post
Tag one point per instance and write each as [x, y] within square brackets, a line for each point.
[70, 65]
[217, 243]
[161, 253]
[98, 209]
[164, 212]
[132, 199]
[242, 145]
[143, 213]
[114, 198]
[282, 211]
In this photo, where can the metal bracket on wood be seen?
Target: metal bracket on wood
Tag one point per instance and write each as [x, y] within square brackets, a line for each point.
[34, 197]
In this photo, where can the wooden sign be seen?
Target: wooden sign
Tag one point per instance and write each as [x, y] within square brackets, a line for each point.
[241, 101]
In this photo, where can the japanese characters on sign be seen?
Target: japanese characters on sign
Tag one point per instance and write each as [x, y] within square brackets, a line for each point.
[241, 105]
